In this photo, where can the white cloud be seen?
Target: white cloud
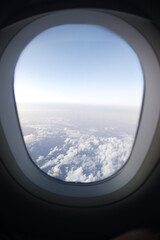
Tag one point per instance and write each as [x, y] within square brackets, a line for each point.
[55, 149]
[92, 130]
[29, 139]
[89, 158]
[75, 175]
[40, 158]
[80, 156]
[55, 171]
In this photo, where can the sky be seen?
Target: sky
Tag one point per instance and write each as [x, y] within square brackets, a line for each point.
[79, 63]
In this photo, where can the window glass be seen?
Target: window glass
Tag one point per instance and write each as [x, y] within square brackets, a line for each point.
[78, 91]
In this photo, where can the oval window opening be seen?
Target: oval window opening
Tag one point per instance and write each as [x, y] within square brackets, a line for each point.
[79, 91]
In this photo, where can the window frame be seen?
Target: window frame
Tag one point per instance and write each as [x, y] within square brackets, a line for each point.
[19, 163]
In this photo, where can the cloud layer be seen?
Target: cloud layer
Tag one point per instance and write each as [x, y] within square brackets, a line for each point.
[88, 158]
[76, 146]
[80, 157]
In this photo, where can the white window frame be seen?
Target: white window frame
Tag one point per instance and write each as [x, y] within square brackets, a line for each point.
[19, 163]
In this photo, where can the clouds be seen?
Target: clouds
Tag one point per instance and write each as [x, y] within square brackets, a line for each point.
[76, 153]
[29, 139]
[87, 158]
[40, 158]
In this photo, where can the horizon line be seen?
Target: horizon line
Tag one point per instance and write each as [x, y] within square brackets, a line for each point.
[87, 104]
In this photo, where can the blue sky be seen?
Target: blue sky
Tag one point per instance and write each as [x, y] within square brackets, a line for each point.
[78, 63]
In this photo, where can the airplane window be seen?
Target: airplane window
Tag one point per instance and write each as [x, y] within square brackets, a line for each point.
[79, 91]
